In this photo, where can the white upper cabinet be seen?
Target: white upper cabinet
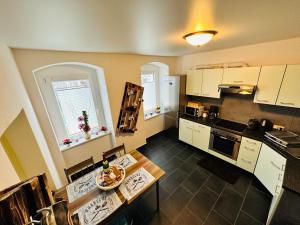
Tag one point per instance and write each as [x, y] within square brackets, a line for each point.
[269, 82]
[241, 75]
[289, 94]
[211, 79]
[194, 82]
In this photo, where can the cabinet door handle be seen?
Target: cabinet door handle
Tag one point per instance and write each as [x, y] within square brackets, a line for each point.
[287, 103]
[283, 167]
[250, 142]
[238, 81]
[280, 176]
[276, 166]
[261, 100]
[277, 189]
[246, 161]
[249, 149]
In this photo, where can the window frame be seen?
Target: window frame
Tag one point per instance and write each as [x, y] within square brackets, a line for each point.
[156, 75]
[44, 82]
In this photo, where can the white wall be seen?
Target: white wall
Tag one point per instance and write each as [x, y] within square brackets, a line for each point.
[8, 175]
[14, 97]
[269, 53]
[10, 107]
[118, 69]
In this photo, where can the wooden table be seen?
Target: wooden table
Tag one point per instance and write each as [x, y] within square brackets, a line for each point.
[142, 161]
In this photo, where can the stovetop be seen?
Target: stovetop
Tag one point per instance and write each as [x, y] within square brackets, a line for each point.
[230, 125]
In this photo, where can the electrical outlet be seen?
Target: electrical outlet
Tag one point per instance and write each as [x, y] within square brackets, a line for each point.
[278, 127]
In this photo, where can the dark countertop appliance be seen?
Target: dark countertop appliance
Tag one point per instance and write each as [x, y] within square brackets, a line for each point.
[213, 112]
[266, 125]
[284, 138]
[253, 124]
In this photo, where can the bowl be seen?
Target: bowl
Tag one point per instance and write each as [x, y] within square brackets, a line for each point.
[99, 179]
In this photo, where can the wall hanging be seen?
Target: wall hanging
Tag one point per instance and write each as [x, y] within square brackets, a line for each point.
[131, 103]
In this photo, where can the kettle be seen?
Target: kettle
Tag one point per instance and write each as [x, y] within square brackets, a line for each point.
[266, 125]
[253, 124]
[56, 214]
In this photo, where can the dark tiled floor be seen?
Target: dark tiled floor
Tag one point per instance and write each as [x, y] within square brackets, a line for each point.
[191, 195]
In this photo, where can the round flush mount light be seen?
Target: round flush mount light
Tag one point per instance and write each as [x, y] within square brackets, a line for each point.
[199, 38]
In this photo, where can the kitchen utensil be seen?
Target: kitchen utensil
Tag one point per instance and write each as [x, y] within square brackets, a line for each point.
[213, 112]
[56, 214]
[253, 124]
[266, 125]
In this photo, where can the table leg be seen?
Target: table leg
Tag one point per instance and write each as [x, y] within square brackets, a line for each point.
[157, 195]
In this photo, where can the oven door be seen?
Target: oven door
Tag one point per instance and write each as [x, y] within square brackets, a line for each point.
[224, 145]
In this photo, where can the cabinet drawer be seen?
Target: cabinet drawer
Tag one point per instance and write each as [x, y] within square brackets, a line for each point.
[248, 154]
[197, 126]
[246, 163]
[187, 123]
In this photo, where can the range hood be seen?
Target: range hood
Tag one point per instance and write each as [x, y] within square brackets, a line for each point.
[245, 89]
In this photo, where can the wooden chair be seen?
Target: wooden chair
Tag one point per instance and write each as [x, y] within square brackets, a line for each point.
[80, 169]
[112, 153]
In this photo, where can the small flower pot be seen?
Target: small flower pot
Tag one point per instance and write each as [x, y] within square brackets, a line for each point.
[87, 135]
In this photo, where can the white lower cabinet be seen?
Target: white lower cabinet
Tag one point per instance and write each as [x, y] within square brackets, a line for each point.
[270, 169]
[201, 135]
[186, 131]
[194, 134]
[248, 154]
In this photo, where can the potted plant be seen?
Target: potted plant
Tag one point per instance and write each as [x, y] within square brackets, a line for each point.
[84, 125]
[67, 141]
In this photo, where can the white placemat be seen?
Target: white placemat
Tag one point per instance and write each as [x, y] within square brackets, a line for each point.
[82, 186]
[99, 208]
[87, 183]
[135, 183]
[125, 161]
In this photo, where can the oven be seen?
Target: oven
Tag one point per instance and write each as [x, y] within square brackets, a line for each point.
[225, 143]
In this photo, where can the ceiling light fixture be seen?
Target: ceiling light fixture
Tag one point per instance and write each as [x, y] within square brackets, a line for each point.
[199, 38]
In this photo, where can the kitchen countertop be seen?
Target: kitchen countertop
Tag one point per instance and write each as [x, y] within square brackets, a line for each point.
[287, 211]
[292, 170]
[205, 121]
[257, 135]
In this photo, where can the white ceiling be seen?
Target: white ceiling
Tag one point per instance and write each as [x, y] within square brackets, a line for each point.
[152, 27]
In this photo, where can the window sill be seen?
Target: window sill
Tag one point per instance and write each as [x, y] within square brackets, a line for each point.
[148, 117]
[83, 140]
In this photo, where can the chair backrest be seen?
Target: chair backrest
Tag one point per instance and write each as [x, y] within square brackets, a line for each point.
[79, 169]
[114, 151]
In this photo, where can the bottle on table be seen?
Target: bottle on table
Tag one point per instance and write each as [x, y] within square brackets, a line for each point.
[105, 165]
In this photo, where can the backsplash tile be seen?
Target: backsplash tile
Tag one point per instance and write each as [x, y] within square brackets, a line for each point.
[241, 108]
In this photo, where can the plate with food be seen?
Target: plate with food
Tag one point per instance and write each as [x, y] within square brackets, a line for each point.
[110, 179]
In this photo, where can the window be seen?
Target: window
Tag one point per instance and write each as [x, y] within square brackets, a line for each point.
[67, 91]
[150, 92]
[161, 91]
[73, 97]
